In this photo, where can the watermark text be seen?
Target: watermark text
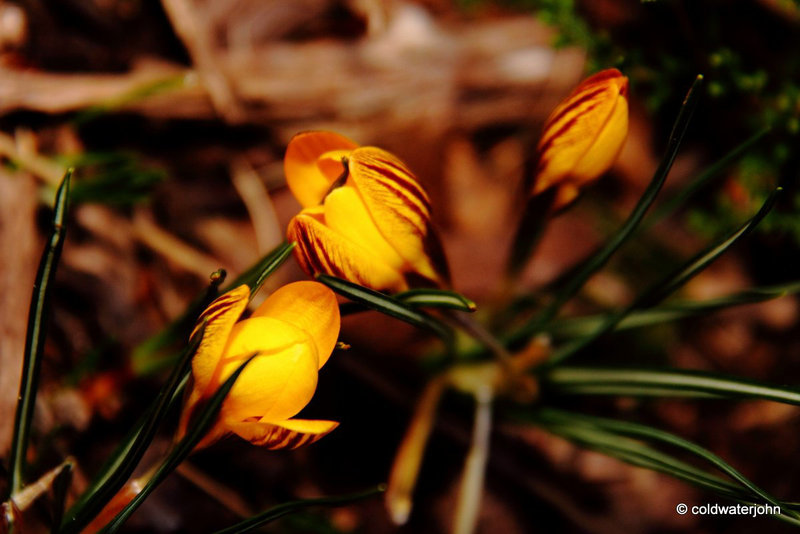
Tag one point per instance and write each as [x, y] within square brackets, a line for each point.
[752, 510]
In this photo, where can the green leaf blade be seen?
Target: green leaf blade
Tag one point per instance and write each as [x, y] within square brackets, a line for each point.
[436, 298]
[35, 337]
[667, 285]
[387, 305]
[659, 382]
[202, 424]
[281, 510]
[121, 464]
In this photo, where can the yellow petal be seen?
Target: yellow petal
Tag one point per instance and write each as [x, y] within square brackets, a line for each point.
[584, 134]
[606, 147]
[288, 434]
[310, 306]
[398, 205]
[346, 214]
[280, 381]
[220, 317]
[307, 177]
[322, 250]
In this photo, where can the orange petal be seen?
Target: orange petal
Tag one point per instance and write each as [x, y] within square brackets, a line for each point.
[220, 317]
[307, 177]
[288, 434]
[397, 203]
[322, 250]
[310, 306]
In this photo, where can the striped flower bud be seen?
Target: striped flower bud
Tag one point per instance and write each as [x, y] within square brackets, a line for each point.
[583, 136]
[365, 217]
[292, 335]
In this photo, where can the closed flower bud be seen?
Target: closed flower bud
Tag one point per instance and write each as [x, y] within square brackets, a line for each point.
[292, 335]
[365, 217]
[583, 136]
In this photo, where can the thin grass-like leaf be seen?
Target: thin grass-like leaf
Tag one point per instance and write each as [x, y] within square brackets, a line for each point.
[200, 426]
[112, 178]
[636, 453]
[674, 311]
[156, 353]
[387, 305]
[256, 275]
[281, 510]
[665, 287]
[436, 298]
[639, 431]
[613, 444]
[702, 260]
[146, 90]
[60, 489]
[35, 337]
[121, 464]
[659, 383]
[705, 177]
[598, 259]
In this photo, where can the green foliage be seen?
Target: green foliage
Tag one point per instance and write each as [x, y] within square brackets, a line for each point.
[113, 178]
[35, 336]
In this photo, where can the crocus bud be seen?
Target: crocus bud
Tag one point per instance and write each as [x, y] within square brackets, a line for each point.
[292, 334]
[365, 217]
[583, 136]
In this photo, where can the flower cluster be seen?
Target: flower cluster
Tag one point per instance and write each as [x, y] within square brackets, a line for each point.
[365, 218]
[292, 334]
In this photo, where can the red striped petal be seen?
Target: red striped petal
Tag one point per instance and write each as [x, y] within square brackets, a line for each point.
[289, 434]
[399, 206]
[322, 250]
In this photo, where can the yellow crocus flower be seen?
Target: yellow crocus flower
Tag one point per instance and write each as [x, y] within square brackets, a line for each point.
[293, 333]
[365, 217]
[583, 136]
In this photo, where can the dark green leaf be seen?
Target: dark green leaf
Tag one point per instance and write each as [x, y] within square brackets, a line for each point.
[702, 260]
[636, 453]
[121, 464]
[638, 431]
[60, 489]
[201, 425]
[35, 337]
[157, 352]
[657, 382]
[290, 507]
[609, 437]
[387, 305]
[255, 276]
[703, 179]
[113, 178]
[436, 298]
[581, 326]
[137, 94]
[665, 287]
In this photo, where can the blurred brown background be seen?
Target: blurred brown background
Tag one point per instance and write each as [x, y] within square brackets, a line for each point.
[177, 114]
